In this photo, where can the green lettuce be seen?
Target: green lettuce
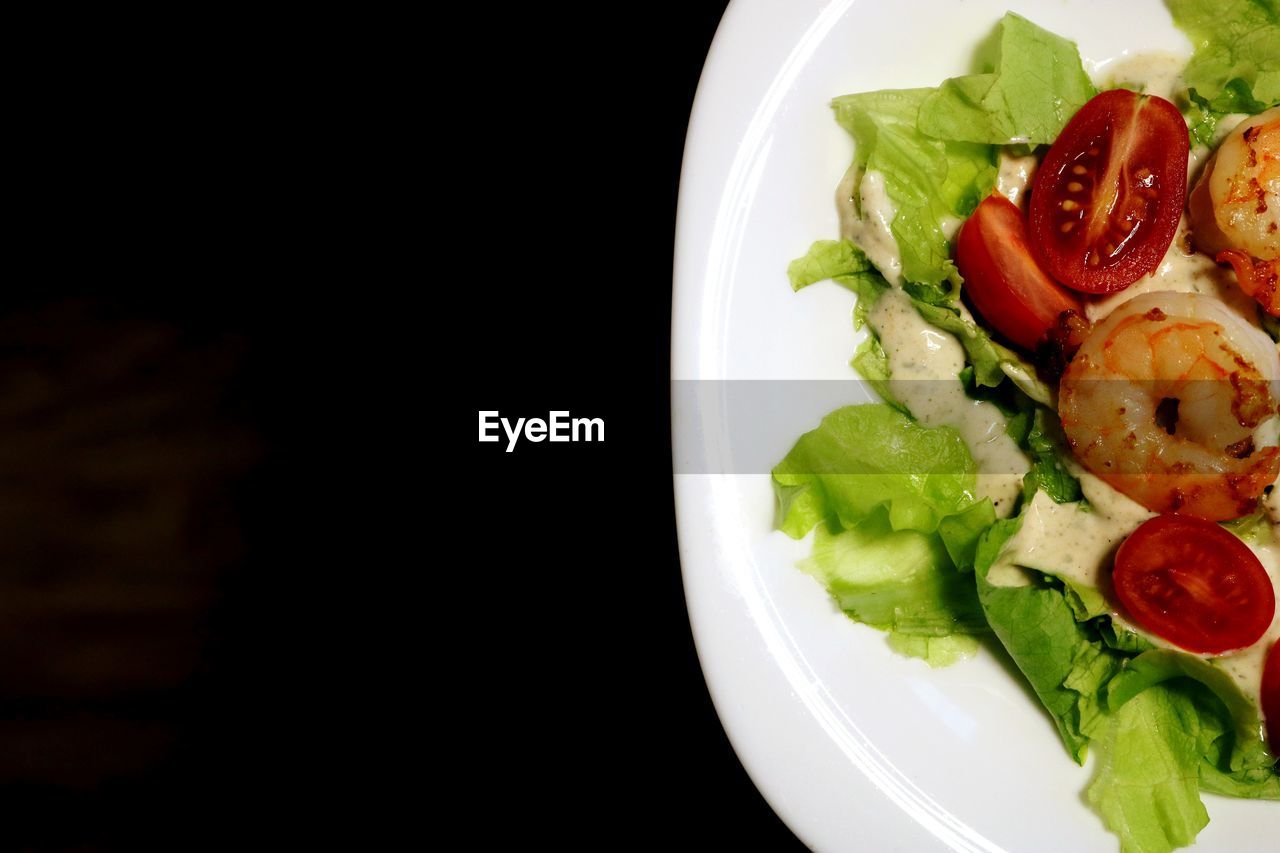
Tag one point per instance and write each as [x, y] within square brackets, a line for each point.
[1147, 787]
[861, 458]
[1122, 639]
[842, 262]
[895, 580]
[1030, 82]
[872, 364]
[1066, 664]
[962, 531]
[933, 183]
[1235, 759]
[1178, 725]
[889, 535]
[935, 651]
[1166, 725]
[983, 353]
[1044, 441]
[847, 265]
[1254, 528]
[1236, 64]
[1202, 123]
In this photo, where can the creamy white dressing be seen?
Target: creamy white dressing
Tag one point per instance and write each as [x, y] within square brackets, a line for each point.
[1183, 270]
[950, 226]
[1070, 541]
[1271, 503]
[1015, 175]
[865, 219]
[1152, 72]
[924, 362]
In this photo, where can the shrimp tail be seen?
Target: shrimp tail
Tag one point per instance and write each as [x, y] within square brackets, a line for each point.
[1257, 278]
[1247, 485]
[1059, 344]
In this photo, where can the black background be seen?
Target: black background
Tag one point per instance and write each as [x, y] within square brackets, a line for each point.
[259, 584]
[188, 655]
[600, 685]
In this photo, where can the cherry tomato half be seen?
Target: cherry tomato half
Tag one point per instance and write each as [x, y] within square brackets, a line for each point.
[1002, 278]
[1271, 698]
[1194, 584]
[1107, 198]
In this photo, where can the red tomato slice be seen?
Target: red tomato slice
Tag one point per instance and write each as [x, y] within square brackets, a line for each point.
[1194, 584]
[1002, 278]
[1107, 198]
[1271, 698]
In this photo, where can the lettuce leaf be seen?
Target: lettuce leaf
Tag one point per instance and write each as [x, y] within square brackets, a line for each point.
[1065, 663]
[933, 183]
[1236, 64]
[961, 532]
[1122, 639]
[1254, 528]
[880, 547]
[1166, 724]
[847, 265]
[872, 364]
[1044, 441]
[1235, 756]
[935, 651]
[1202, 122]
[1147, 788]
[861, 458]
[842, 262]
[1030, 83]
[895, 580]
[983, 353]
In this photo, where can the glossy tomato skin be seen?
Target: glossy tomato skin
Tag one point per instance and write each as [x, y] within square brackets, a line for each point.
[1194, 584]
[1002, 278]
[1271, 698]
[1107, 199]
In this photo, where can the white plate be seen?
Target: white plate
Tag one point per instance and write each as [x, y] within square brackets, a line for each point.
[854, 746]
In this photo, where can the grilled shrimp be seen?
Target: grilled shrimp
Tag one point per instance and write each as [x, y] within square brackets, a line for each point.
[1259, 279]
[1235, 208]
[1173, 401]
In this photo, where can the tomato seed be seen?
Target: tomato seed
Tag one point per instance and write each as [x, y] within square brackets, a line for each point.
[1070, 205]
[1066, 227]
[1078, 170]
[1075, 186]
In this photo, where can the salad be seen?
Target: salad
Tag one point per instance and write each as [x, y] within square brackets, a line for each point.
[1069, 287]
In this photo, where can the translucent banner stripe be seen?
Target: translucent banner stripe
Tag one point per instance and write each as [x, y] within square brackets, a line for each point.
[748, 426]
